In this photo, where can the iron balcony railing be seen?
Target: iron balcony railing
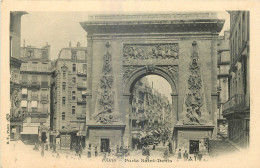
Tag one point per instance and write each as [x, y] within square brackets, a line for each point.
[82, 85]
[234, 103]
[81, 101]
[36, 111]
[35, 69]
[30, 83]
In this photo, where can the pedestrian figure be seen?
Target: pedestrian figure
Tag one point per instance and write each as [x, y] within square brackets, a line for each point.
[154, 146]
[35, 147]
[46, 147]
[54, 148]
[165, 155]
[89, 153]
[89, 146]
[108, 151]
[170, 147]
[77, 150]
[185, 155]
[104, 157]
[96, 153]
[199, 156]
[121, 149]
[190, 159]
[179, 154]
[42, 153]
[117, 149]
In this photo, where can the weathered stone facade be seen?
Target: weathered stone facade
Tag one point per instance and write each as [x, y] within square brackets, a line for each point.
[167, 45]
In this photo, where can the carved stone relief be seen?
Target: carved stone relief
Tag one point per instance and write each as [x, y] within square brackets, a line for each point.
[151, 51]
[194, 96]
[171, 70]
[105, 114]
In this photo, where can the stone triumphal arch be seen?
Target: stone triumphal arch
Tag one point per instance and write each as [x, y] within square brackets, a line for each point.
[180, 47]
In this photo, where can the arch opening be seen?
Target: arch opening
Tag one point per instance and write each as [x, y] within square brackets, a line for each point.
[150, 117]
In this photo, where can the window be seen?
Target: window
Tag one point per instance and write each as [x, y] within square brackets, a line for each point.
[34, 66]
[73, 95]
[84, 109]
[84, 68]
[73, 110]
[34, 104]
[63, 115]
[63, 100]
[64, 74]
[63, 86]
[74, 55]
[24, 91]
[74, 67]
[34, 95]
[73, 80]
[24, 103]
[84, 81]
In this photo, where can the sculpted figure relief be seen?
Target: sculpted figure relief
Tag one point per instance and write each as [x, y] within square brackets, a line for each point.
[105, 114]
[151, 51]
[194, 97]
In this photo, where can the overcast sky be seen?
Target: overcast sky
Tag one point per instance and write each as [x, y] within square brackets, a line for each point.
[59, 28]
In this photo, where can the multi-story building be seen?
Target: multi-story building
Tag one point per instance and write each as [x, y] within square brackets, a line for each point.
[151, 112]
[35, 80]
[15, 64]
[69, 97]
[237, 109]
[223, 76]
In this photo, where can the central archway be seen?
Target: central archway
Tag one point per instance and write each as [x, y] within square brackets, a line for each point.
[167, 73]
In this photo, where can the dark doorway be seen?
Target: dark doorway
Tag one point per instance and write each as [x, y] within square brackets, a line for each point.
[194, 146]
[44, 137]
[104, 145]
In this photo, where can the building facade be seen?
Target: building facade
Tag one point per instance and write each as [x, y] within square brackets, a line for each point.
[35, 78]
[69, 87]
[180, 47]
[223, 77]
[15, 116]
[237, 109]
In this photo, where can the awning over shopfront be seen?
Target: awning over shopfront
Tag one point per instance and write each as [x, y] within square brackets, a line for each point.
[30, 130]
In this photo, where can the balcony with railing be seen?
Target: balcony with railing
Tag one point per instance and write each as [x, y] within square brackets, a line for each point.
[81, 101]
[44, 84]
[236, 103]
[30, 83]
[41, 112]
[44, 99]
[81, 116]
[82, 73]
[36, 68]
[82, 85]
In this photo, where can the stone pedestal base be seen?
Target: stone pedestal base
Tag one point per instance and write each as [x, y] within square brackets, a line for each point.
[113, 134]
[192, 138]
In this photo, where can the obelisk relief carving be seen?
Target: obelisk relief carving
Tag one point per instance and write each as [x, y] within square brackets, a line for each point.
[194, 98]
[104, 113]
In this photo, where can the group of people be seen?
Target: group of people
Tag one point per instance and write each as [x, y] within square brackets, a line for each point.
[186, 157]
[44, 146]
[122, 151]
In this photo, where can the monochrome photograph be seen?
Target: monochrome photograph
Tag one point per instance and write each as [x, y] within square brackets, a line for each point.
[128, 87]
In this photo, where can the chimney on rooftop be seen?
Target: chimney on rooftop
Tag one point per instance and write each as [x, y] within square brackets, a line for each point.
[78, 44]
[70, 44]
